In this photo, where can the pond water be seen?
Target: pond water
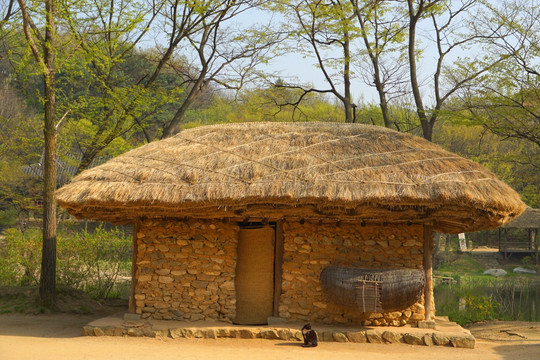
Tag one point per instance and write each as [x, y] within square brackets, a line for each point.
[503, 299]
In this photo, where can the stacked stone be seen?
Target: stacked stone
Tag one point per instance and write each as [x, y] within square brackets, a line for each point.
[310, 247]
[185, 270]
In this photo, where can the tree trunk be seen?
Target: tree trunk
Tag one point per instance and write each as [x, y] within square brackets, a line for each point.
[47, 283]
[426, 126]
[174, 125]
[379, 85]
[347, 80]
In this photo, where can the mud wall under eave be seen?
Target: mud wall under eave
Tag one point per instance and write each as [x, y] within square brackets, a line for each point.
[310, 247]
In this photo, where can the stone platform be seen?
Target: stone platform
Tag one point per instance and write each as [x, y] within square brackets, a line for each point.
[446, 333]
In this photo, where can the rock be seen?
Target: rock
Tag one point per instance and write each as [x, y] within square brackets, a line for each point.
[428, 340]
[392, 315]
[375, 316]
[325, 336]
[223, 333]
[87, 331]
[357, 336]
[320, 305]
[134, 332]
[187, 333]
[495, 272]
[298, 335]
[108, 331]
[176, 333]
[285, 334]
[339, 337]
[148, 332]
[374, 337]
[206, 334]
[166, 279]
[248, 334]
[466, 341]
[522, 270]
[392, 337]
[413, 339]
[426, 324]
[98, 332]
[143, 278]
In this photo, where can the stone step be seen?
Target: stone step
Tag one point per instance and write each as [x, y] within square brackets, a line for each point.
[376, 336]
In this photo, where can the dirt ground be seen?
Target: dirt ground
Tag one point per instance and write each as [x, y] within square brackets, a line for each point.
[57, 336]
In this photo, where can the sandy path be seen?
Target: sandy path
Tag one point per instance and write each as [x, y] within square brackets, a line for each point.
[53, 337]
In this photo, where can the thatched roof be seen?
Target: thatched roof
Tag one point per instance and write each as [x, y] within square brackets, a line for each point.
[529, 219]
[311, 171]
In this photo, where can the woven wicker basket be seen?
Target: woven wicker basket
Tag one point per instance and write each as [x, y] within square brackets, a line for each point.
[373, 290]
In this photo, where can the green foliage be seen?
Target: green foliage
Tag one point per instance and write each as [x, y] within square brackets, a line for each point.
[512, 160]
[93, 261]
[260, 105]
[20, 257]
[464, 264]
[88, 261]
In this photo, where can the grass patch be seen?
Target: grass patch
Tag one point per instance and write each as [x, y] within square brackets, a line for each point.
[462, 265]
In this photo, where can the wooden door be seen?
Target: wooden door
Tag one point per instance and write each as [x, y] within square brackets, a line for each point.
[254, 280]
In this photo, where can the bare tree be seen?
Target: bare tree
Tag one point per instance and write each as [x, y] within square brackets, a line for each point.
[382, 29]
[446, 33]
[321, 29]
[213, 51]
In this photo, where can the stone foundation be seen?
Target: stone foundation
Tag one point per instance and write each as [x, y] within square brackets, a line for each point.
[185, 269]
[450, 334]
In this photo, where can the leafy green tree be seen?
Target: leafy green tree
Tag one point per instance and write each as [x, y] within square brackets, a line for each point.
[507, 99]
[113, 88]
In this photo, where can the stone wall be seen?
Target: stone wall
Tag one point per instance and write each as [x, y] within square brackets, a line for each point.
[310, 247]
[185, 270]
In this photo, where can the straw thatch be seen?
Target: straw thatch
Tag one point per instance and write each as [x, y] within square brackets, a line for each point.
[373, 290]
[345, 172]
[529, 219]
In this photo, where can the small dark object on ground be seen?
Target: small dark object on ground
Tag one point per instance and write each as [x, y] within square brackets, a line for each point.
[310, 336]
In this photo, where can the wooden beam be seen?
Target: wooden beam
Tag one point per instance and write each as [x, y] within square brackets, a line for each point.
[278, 263]
[428, 270]
[132, 307]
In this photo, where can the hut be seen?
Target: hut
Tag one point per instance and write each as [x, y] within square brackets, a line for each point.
[529, 222]
[301, 221]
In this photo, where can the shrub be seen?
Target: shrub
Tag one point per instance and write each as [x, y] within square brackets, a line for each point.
[20, 257]
[89, 261]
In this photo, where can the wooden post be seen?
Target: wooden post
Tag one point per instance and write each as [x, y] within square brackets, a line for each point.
[278, 263]
[132, 307]
[536, 240]
[428, 270]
